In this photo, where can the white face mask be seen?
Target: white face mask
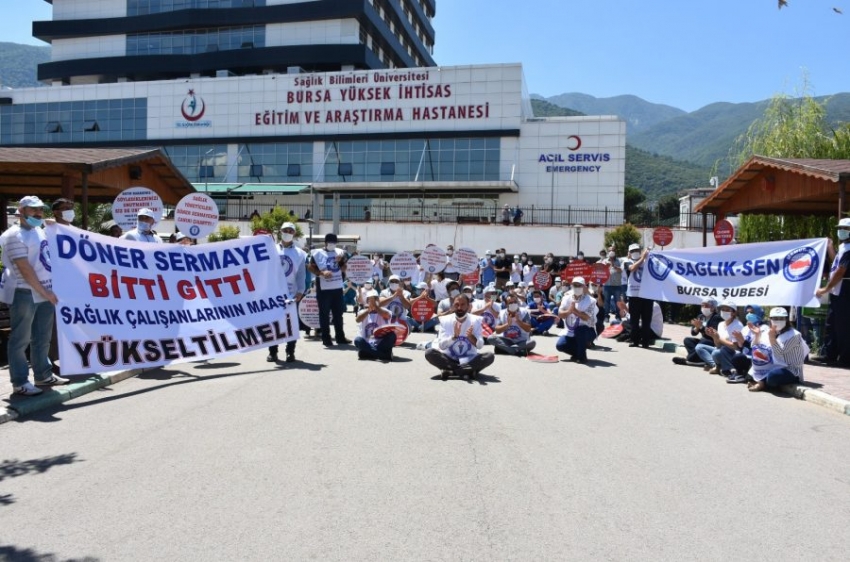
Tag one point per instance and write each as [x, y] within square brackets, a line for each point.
[611, 254]
[68, 216]
[778, 324]
[331, 247]
[449, 253]
[705, 311]
[453, 293]
[513, 307]
[843, 234]
[726, 314]
[578, 291]
[393, 287]
[538, 300]
[287, 237]
[143, 226]
[635, 255]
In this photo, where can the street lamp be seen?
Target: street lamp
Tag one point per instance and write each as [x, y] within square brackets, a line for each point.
[206, 171]
[578, 228]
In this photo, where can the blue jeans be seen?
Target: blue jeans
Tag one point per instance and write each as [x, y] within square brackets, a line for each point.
[32, 325]
[576, 346]
[426, 326]
[722, 356]
[704, 351]
[612, 295]
[780, 376]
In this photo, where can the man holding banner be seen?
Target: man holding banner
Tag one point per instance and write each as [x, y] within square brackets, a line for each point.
[293, 267]
[640, 308]
[836, 348]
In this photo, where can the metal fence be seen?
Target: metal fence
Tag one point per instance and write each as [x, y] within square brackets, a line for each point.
[386, 211]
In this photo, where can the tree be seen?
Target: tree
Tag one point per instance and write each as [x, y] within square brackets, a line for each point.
[224, 232]
[621, 238]
[790, 128]
[273, 220]
[633, 198]
[668, 206]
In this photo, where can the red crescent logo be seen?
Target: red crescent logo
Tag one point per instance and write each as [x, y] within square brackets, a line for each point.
[578, 142]
[200, 114]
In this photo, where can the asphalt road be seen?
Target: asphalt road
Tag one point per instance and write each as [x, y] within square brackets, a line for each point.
[628, 458]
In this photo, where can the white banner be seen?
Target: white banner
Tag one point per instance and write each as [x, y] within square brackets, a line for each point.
[771, 273]
[126, 305]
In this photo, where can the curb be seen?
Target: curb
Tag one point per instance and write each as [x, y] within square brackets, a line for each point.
[57, 395]
[800, 392]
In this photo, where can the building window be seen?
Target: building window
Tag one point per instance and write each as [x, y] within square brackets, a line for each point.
[344, 169]
[293, 170]
[53, 127]
[196, 41]
[387, 168]
[142, 7]
[257, 170]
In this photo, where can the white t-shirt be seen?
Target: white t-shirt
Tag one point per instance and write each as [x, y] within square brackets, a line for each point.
[29, 243]
[514, 331]
[584, 304]
[395, 306]
[326, 260]
[372, 322]
[137, 236]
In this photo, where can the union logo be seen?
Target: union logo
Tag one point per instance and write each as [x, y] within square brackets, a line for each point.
[800, 264]
[659, 267]
[193, 107]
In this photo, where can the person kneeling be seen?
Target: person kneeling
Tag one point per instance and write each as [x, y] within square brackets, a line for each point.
[512, 330]
[578, 310]
[459, 340]
[370, 319]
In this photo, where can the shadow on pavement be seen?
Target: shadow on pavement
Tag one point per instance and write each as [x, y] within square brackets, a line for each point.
[9, 552]
[13, 468]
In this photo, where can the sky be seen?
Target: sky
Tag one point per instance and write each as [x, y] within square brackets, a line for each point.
[683, 53]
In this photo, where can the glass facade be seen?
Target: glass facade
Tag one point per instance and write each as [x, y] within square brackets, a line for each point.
[142, 7]
[196, 41]
[74, 121]
[469, 159]
[200, 163]
[276, 163]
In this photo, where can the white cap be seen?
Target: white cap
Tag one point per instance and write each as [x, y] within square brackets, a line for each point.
[634, 247]
[523, 284]
[31, 201]
[422, 285]
[394, 278]
[179, 236]
[778, 312]
[146, 213]
[287, 225]
[844, 223]
[509, 284]
[487, 253]
[579, 280]
[372, 293]
[491, 289]
[729, 304]
[557, 278]
[516, 256]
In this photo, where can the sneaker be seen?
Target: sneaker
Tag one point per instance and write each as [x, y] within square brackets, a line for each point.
[680, 361]
[444, 374]
[290, 357]
[27, 390]
[52, 381]
[694, 363]
[272, 358]
[343, 341]
[328, 343]
[714, 371]
[421, 345]
[736, 379]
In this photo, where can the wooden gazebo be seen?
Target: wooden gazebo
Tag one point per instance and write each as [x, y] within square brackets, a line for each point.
[792, 186]
[87, 175]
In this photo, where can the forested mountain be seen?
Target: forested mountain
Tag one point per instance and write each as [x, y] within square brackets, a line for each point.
[638, 114]
[654, 175]
[18, 64]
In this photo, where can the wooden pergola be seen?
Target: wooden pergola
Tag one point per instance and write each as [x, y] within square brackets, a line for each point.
[792, 186]
[87, 175]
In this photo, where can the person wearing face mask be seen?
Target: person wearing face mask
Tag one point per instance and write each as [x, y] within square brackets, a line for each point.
[779, 360]
[541, 315]
[489, 308]
[578, 311]
[502, 268]
[28, 290]
[529, 270]
[293, 261]
[836, 349]
[372, 317]
[145, 221]
[516, 269]
[485, 269]
[395, 299]
[550, 265]
[328, 264]
[451, 271]
[742, 360]
[707, 318]
[427, 321]
[612, 290]
[640, 309]
[718, 356]
[512, 331]
[63, 211]
[457, 348]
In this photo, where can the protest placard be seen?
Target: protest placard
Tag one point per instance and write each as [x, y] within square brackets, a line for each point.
[126, 207]
[433, 259]
[196, 215]
[465, 260]
[404, 265]
[359, 269]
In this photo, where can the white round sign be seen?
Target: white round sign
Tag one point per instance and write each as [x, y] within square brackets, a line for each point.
[308, 311]
[129, 202]
[359, 269]
[433, 259]
[465, 260]
[196, 215]
[404, 264]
